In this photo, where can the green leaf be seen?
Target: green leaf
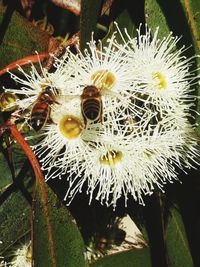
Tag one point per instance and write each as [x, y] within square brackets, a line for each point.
[135, 258]
[176, 241]
[21, 39]
[18, 159]
[155, 18]
[124, 21]
[192, 11]
[6, 177]
[90, 11]
[154, 215]
[183, 19]
[169, 16]
[56, 238]
[14, 220]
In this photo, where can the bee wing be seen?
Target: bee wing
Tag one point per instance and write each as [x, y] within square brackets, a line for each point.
[109, 93]
[67, 98]
[121, 235]
[133, 237]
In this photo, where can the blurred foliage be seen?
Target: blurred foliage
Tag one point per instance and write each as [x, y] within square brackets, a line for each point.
[90, 11]
[56, 239]
[14, 220]
[7, 179]
[21, 38]
[176, 238]
[130, 259]
[172, 230]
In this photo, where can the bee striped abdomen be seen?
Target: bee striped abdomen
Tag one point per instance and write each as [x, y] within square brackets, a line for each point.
[92, 109]
[41, 108]
[39, 115]
[91, 104]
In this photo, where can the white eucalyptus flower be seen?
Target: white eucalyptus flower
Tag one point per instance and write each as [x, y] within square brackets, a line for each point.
[66, 142]
[164, 78]
[22, 257]
[34, 82]
[134, 164]
[142, 138]
[62, 139]
[106, 68]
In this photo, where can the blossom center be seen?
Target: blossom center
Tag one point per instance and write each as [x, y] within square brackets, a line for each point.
[103, 79]
[111, 158]
[70, 127]
[160, 79]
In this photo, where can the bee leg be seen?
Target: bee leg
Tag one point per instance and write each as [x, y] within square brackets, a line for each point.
[101, 120]
[85, 122]
[50, 121]
[57, 102]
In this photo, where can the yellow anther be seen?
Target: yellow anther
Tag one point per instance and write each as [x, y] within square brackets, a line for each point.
[70, 127]
[161, 82]
[111, 158]
[103, 79]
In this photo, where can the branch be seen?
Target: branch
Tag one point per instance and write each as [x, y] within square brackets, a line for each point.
[75, 39]
[71, 5]
[27, 150]
[75, 7]
[24, 61]
[106, 6]
[60, 50]
[39, 176]
[27, 6]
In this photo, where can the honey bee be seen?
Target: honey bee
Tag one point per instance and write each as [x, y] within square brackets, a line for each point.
[41, 109]
[91, 104]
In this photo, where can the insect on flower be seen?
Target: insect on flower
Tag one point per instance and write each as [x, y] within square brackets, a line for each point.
[121, 234]
[41, 109]
[91, 104]
[142, 90]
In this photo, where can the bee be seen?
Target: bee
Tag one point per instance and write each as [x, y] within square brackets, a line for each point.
[119, 235]
[41, 109]
[91, 104]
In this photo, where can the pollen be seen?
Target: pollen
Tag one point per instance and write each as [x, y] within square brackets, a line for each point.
[160, 79]
[111, 158]
[70, 127]
[103, 79]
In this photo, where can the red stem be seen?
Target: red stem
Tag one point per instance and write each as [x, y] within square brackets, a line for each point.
[39, 176]
[24, 61]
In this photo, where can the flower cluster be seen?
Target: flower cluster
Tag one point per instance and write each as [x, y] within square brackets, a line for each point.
[115, 117]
